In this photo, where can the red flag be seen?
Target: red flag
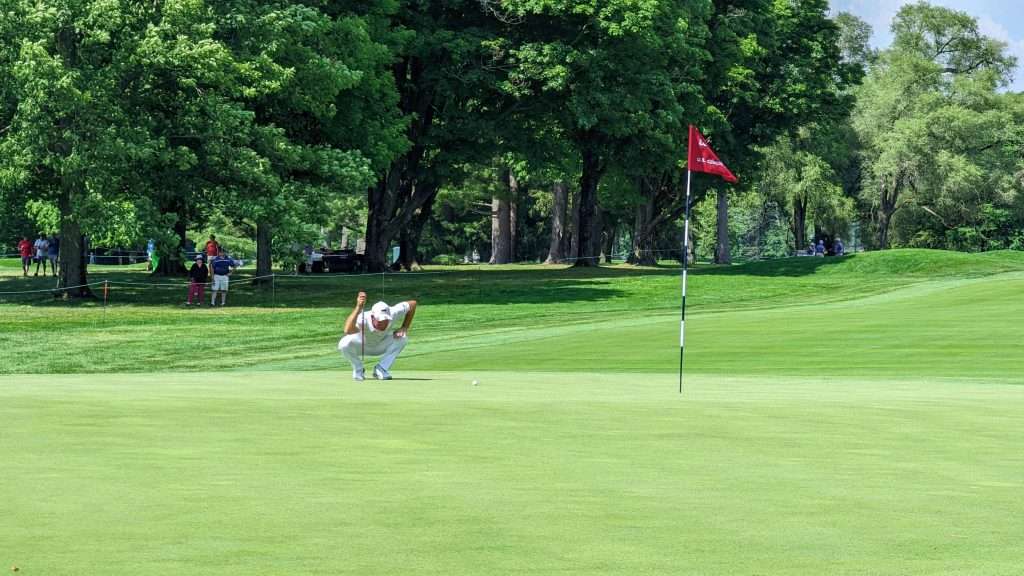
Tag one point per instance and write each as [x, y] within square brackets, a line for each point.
[702, 158]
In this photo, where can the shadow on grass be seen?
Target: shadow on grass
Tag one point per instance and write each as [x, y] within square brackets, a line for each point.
[798, 266]
[450, 287]
[478, 285]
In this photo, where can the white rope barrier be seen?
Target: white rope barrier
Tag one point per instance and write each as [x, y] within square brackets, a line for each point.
[274, 276]
[62, 289]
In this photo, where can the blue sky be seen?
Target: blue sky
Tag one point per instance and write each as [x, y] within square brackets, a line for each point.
[997, 18]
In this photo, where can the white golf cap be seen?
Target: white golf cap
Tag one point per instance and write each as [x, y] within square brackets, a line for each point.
[381, 312]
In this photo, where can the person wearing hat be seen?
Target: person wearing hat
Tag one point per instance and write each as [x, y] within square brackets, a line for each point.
[197, 276]
[375, 333]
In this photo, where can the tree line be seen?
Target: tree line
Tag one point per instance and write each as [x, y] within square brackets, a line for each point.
[533, 129]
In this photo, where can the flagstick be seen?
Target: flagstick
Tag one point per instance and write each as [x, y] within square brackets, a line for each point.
[686, 257]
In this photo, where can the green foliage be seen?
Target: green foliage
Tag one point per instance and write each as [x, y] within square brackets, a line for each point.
[617, 75]
[940, 141]
[757, 228]
[137, 121]
[462, 219]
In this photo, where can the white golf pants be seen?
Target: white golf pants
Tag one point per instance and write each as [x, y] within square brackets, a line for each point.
[350, 347]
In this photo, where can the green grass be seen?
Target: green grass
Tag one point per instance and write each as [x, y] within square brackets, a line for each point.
[588, 473]
[841, 416]
[144, 328]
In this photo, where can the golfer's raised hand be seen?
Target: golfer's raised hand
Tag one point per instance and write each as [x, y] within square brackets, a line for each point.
[401, 332]
[361, 300]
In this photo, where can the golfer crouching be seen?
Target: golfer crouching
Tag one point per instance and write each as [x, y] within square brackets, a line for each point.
[373, 333]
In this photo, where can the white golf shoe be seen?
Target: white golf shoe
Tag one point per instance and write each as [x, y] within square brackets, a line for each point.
[359, 374]
[380, 373]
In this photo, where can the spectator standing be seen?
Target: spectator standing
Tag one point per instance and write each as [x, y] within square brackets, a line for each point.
[197, 275]
[838, 247]
[150, 252]
[52, 252]
[42, 247]
[819, 249]
[222, 267]
[212, 248]
[25, 249]
[307, 253]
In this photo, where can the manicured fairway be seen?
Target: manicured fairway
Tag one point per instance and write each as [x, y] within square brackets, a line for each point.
[860, 417]
[911, 312]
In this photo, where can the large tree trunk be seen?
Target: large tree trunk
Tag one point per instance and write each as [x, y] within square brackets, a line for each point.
[409, 243]
[722, 245]
[392, 205]
[73, 269]
[608, 242]
[642, 250]
[376, 241]
[407, 185]
[500, 237]
[584, 233]
[799, 224]
[884, 219]
[171, 264]
[572, 238]
[597, 234]
[264, 238]
[502, 233]
[495, 229]
[380, 203]
[886, 208]
[560, 197]
[513, 202]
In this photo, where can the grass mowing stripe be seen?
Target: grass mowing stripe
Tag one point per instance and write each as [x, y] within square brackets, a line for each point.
[966, 328]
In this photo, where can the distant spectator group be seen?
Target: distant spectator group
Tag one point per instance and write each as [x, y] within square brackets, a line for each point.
[220, 265]
[820, 249]
[44, 251]
[212, 265]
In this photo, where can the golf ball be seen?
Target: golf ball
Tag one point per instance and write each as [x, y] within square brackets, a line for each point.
[476, 382]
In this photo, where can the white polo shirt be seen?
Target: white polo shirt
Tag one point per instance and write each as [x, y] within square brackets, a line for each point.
[373, 336]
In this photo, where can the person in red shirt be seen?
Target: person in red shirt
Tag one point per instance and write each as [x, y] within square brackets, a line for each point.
[212, 248]
[25, 248]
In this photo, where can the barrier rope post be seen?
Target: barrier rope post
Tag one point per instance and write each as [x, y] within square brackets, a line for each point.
[273, 290]
[106, 291]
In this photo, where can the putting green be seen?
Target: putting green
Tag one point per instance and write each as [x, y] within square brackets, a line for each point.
[541, 473]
